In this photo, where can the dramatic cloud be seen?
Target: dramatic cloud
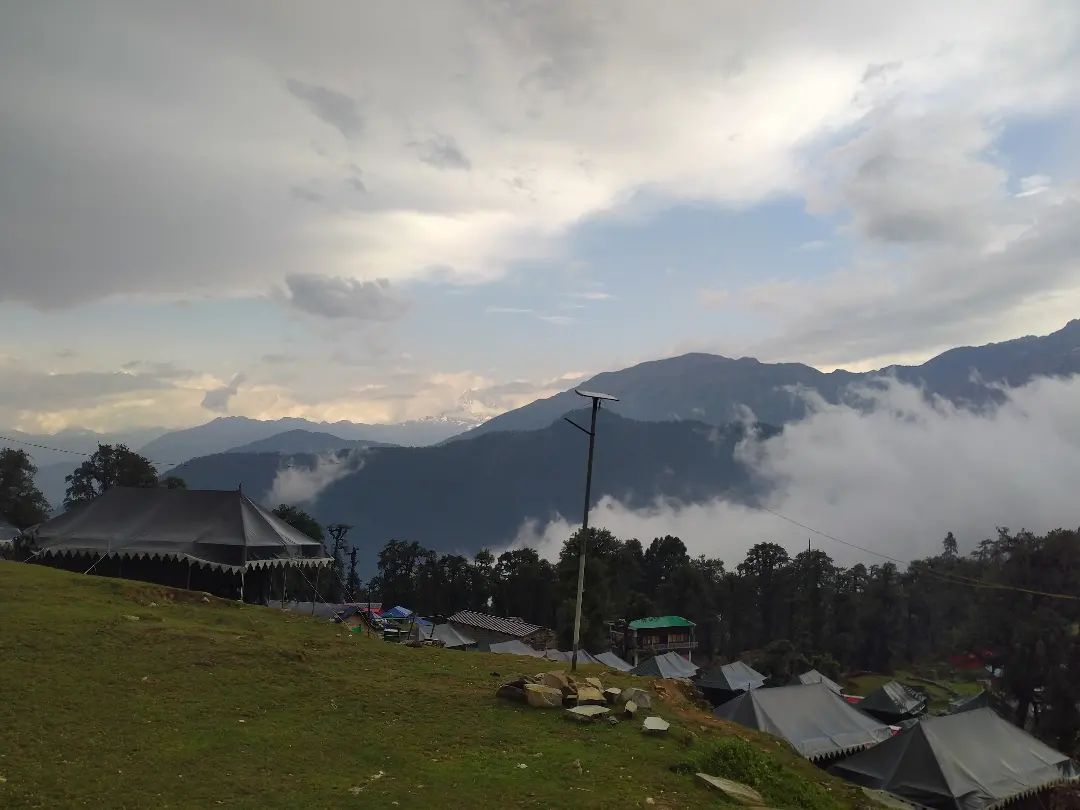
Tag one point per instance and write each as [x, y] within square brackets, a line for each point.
[893, 480]
[332, 297]
[217, 399]
[565, 113]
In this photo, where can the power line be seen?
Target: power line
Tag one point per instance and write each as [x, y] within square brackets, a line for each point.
[955, 579]
[73, 452]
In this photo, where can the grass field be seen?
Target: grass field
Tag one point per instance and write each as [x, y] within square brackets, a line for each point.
[120, 694]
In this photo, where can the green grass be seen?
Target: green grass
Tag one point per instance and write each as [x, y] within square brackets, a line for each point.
[196, 704]
[741, 760]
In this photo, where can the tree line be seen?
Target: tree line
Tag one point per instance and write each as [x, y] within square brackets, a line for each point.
[1014, 600]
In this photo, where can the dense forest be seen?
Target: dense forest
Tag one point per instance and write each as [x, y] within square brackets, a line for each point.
[1015, 599]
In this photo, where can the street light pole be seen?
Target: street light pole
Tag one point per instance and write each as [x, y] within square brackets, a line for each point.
[591, 432]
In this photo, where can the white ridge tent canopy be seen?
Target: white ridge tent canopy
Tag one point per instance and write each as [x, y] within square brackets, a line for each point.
[968, 761]
[222, 530]
[812, 718]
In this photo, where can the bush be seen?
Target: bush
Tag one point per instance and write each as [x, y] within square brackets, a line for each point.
[742, 761]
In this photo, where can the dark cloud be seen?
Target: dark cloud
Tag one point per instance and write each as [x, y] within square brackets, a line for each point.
[337, 109]
[305, 195]
[337, 297]
[217, 399]
[442, 152]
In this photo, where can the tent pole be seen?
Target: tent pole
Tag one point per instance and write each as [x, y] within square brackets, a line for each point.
[242, 572]
[189, 574]
[284, 582]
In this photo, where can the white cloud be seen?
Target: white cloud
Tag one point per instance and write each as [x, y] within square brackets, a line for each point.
[295, 484]
[893, 480]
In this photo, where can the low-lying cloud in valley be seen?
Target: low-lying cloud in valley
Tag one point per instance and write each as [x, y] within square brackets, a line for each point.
[893, 479]
[295, 484]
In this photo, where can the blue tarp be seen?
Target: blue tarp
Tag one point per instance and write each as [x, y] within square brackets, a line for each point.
[397, 612]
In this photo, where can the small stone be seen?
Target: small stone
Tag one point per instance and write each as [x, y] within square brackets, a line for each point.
[590, 696]
[355, 790]
[153, 604]
[611, 694]
[522, 765]
[655, 725]
[511, 692]
[650, 800]
[542, 697]
[595, 684]
[131, 618]
[630, 708]
[585, 714]
[639, 696]
[556, 680]
[206, 599]
[735, 791]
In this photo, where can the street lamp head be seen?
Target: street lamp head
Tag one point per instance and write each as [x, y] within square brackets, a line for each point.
[594, 395]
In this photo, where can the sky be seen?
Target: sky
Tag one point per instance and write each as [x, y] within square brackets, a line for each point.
[390, 211]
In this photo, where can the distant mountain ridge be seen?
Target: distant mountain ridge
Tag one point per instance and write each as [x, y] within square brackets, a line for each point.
[717, 390]
[304, 441]
[227, 432]
[462, 496]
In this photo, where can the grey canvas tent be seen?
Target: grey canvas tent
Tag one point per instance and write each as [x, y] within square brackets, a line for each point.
[980, 700]
[668, 665]
[451, 638]
[967, 761]
[893, 702]
[813, 676]
[220, 530]
[514, 647]
[610, 659]
[813, 719]
[733, 677]
[583, 656]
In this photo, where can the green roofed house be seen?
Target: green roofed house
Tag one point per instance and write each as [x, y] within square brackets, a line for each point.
[656, 635]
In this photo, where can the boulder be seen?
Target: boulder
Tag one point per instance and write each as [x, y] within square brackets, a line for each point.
[655, 725]
[630, 708]
[595, 684]
[639, 696]
[543, 697]
[611, 694]
[590, 696]
[734, 791]
[585, 714]
[556, 680]
[510, 692]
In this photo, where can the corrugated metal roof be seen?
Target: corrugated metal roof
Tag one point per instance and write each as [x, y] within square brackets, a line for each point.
[659, 622]
[511, 627]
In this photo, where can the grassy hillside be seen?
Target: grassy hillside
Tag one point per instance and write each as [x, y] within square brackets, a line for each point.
[121, 694]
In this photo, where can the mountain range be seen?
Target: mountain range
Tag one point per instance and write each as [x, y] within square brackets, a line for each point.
[462, 496]
[477, 491]
[717, 390]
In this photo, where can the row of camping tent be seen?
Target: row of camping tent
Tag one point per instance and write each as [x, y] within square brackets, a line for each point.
[968, 760]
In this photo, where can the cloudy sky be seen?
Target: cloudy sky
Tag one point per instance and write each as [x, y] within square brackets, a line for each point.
[386, 211]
